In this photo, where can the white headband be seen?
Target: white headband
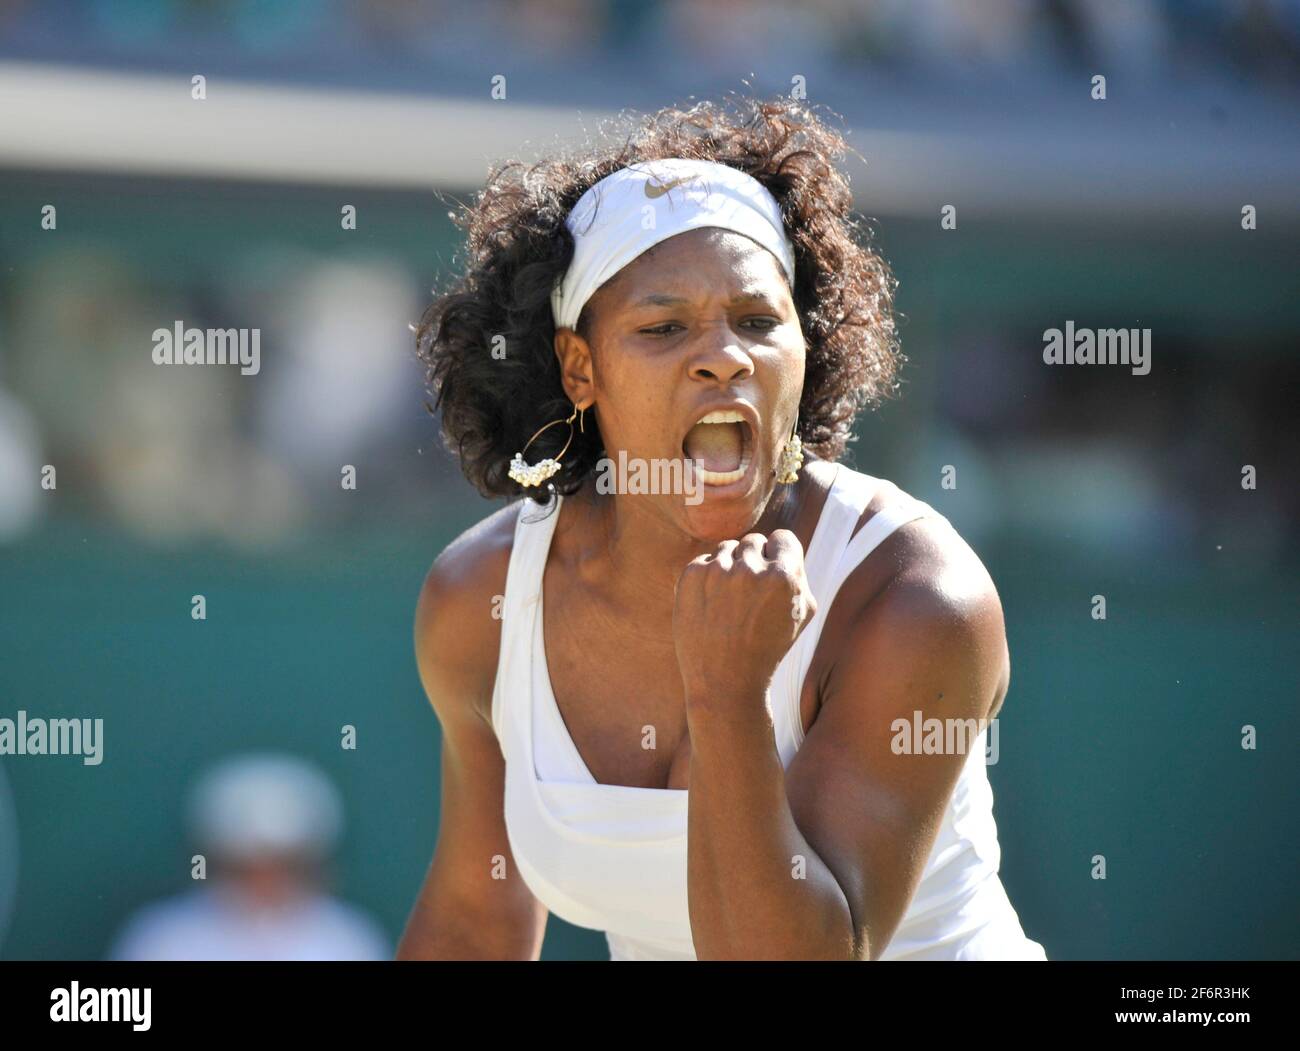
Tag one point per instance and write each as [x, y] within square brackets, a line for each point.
[638, 206]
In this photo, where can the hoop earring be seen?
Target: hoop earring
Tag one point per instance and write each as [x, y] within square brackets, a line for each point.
[787, 471]
[535, 474]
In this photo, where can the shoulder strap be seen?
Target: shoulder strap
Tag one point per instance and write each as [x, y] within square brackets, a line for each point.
[844, 505]
[842, 553]
[879, 528]
[534, 525]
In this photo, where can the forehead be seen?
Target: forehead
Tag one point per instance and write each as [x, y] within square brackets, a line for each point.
[723, 259]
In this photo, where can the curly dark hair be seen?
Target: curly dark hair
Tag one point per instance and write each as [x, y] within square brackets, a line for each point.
[518, 247]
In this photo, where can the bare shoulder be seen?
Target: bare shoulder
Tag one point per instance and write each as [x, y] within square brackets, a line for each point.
[458, 617]
[929, 562]
[925, 592]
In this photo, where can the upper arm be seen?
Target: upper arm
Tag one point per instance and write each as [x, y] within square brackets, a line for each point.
[473, 883]
[931, 641]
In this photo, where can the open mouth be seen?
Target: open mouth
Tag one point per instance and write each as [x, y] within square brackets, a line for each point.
[721, 445]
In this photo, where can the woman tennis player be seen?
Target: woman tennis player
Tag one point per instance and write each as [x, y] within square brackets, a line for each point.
[674, 712]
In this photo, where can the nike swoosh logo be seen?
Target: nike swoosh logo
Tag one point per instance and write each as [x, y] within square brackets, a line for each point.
[654, 189]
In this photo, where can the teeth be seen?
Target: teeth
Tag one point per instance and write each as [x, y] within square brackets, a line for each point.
[721, 477]
[722, 416]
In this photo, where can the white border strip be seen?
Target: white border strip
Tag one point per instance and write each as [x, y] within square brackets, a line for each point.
[70, 117]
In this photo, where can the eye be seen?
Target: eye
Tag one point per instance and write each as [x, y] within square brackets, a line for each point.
[660, 330]
[763, 324]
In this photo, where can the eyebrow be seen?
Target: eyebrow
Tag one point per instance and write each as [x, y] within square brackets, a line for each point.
[660, 299]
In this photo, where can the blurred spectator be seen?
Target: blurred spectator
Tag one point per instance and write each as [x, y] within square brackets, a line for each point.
[20, 466]
[267, 825]
[344, 374]
[158, 447]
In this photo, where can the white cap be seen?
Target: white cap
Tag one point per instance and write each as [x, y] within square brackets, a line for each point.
[636, 207]
[265, 803]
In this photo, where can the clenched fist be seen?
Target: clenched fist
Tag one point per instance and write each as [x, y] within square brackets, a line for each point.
[736, 613]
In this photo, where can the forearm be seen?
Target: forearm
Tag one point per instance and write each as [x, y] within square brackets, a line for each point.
[438, 936]
[446, 925]
[757, 889]
[429, 937]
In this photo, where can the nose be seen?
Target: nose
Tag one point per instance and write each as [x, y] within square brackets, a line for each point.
[719, 356]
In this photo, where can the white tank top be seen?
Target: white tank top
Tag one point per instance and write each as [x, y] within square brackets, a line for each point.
[613, 857]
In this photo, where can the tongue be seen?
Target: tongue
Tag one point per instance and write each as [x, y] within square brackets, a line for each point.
[719, 445]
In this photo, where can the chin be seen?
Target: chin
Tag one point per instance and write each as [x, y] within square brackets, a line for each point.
[726, 512]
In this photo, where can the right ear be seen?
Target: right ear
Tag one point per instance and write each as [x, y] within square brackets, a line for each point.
[574, 354]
